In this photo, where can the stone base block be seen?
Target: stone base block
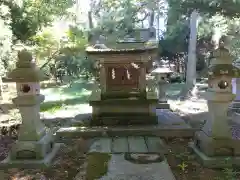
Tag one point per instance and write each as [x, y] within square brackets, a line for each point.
[30, 164]
[32, 153]
[25, 149]
[163, 106]
[216, 147]
[68, 133]
[124, 119]
[215, 161]
[235, 104]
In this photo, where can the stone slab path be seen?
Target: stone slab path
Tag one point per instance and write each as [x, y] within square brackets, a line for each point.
[132, 144]
[167, 117]
[121, 169]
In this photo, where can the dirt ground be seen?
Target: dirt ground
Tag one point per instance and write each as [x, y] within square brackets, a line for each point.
[70, 161]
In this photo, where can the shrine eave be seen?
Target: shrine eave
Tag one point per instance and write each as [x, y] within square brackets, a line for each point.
[120, 51]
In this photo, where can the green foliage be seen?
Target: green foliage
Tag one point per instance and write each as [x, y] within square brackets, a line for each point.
[120, 17]
[213, 14]
[32, 15]
[63, 57]
[229, 8]
[5, 38]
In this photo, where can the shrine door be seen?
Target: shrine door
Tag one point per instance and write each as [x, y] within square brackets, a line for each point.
[122, 78]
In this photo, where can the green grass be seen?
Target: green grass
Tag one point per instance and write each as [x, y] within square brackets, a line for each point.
[62, 96]
[174, 89]
[79, 93]
[52, 106]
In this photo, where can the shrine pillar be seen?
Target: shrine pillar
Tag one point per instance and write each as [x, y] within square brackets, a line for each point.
[142, 78]
[103, 85]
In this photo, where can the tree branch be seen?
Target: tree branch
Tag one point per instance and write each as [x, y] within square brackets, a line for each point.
[49, 59]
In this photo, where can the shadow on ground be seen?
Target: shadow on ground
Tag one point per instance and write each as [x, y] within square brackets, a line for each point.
[55, 105]
[173, 90]
[195, 120]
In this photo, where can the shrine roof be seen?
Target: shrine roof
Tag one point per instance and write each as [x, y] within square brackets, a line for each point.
[161, 70]
[91, 50]
[123, 46]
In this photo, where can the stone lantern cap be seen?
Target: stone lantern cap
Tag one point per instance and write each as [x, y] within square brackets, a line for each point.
[223, 70]
[161, 70]
[26, 70]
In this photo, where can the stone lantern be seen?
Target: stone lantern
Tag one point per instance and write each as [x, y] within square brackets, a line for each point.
[35, 146]
[235, 106]
[161, 74]
[216, 140]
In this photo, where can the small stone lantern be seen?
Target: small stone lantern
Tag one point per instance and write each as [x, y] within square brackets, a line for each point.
[235, 106]
[217, 140]
[35, 146]
[161, 74]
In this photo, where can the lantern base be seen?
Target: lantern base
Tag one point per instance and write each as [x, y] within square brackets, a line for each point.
[30, 164]
[32, 154]
[216, 153]
[215, 161]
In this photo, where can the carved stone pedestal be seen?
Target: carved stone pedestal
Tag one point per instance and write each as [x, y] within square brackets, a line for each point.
[216, 153]
[32, 154]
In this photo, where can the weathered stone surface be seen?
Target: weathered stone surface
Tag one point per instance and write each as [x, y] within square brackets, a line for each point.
[137, 144]
[26, 154]
[120, 145]
[165, 116]
[122, 86]
[121, 169]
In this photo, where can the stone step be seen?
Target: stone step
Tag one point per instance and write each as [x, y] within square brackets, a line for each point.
[66, 133]
[126, 120]
[128, 144]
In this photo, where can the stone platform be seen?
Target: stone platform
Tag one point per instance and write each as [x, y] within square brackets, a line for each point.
[169, 125]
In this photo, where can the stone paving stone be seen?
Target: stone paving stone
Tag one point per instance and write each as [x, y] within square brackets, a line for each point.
[121, 169]
[169, 118]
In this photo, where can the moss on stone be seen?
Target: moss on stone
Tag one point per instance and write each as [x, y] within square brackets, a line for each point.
[97, 165]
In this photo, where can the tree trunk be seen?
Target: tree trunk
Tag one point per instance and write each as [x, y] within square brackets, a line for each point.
[1, 88]
[191, 61]
[90, 21]
[151, 19]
